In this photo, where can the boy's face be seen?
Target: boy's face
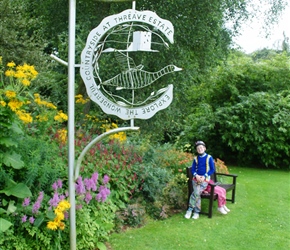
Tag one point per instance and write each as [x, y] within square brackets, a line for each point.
[200, 149]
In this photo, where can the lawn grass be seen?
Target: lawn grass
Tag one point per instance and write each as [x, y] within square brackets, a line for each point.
[260, 219]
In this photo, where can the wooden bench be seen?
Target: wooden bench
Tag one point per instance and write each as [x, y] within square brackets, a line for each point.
[211, 196]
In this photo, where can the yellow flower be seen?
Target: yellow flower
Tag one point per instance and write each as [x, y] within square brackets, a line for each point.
[59, 214]
[11, 64]
[114, 125]
[50, 105]
[15, 104]
[80, 99]
[60, 117]
[62, 135]
[61, 226]
[52, 225]
[25, 117]
[10, 94]
[19, 74]
[25, 82]
[64, 204]
[121, 136]
[9, 73]
[2, 103]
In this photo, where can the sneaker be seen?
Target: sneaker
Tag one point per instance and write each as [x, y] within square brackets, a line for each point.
[226, 209]
[188, 214]
[195, 216]
[222, 210]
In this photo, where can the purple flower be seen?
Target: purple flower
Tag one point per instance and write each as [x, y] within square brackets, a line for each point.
[35, 207]
[40, 196]
[88, 197]
[106, 179]
[90, 184]
[54, 186]
[31, 220]
[59, 183]
[54, 200]
[95, 177]
[62, 197]
[80, 188]
[26, 202]
[37, 204]
[24, 218]
[103, 194]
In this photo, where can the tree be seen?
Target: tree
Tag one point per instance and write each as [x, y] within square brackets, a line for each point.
[245, 105]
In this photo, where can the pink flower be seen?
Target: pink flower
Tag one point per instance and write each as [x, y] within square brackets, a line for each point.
[35, 207]
[106, 179]
[88, 197]
[40, 196]
[26, 202]
[103, 194]
[80, 188]
[24, 218]
[54, 200]
[90, 184]
[59, 183]
[54, 186]
[31, 220]
[95, 177]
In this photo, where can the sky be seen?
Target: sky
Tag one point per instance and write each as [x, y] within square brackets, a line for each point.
[253, 37]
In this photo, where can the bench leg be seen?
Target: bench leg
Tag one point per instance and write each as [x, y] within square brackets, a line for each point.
[210, 208]
[233, 195]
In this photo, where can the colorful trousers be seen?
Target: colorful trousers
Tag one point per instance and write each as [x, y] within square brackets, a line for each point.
[198, 188]
[221, 192]
[195, 199]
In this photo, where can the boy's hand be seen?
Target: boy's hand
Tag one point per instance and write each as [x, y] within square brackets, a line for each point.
[199, 178]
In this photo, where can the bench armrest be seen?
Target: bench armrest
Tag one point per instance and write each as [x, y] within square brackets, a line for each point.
[233, 176]
[230, 175]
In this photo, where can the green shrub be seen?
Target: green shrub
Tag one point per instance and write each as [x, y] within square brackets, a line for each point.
[154, 179]
[132, 215]
[258, 129]
[175, 192]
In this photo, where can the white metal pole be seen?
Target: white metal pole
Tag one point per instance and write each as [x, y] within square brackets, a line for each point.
[71, 121]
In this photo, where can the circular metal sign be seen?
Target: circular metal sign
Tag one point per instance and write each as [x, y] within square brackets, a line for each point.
[140, 26]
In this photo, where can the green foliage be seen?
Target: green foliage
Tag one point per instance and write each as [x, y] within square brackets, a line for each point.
[116, 159]
[175, 193]
[10, 161]
[132, 215]
[94, 225]
[19, 40]
[258, 127]
[168, 157]
[41, 166]
[154, 179]
[242, 115]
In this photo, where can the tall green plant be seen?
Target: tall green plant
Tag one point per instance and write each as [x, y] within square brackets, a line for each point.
[10, 161]
[258, 129]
